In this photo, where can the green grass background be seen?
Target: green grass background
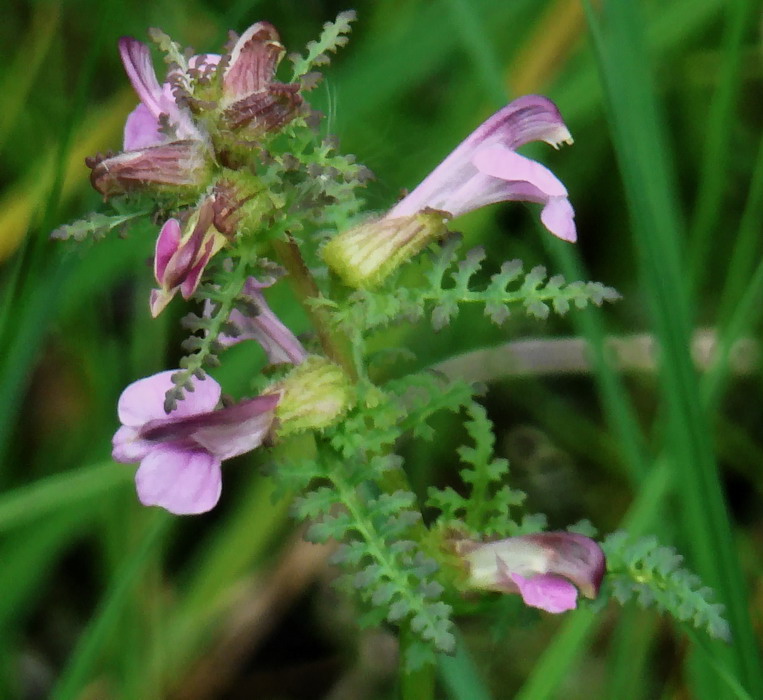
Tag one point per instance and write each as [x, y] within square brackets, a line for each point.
[101, 598]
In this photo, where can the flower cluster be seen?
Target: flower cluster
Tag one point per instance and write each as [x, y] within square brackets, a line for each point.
[183, 140]
[200, 145]
[209, 107]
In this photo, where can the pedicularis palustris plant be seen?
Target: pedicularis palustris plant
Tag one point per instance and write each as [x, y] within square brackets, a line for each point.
[229, 163]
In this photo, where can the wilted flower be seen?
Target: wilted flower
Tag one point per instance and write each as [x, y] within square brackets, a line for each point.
[251, 98]
[163, 146]
[542, 568]
[180, 454]
[180, 258]
[483, 169]
[181, 165]
[175, 137]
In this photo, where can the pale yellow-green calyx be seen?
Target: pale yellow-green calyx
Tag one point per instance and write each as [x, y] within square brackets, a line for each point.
[365, 255]
[313, 396]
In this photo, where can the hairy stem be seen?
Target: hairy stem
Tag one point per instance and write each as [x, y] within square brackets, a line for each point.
[418, 684]
[334, 342]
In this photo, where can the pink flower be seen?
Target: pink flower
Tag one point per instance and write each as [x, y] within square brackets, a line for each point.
[180, 258]
[180, 454]
[143, 128]
[279, 343]
[485, 168]
[547, 569]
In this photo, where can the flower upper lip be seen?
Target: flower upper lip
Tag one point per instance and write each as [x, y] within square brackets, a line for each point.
[485, 168]
[156, 100]
[170, 428]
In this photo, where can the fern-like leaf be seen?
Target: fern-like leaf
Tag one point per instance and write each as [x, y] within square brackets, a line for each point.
[424, 394]
[652, 574]
[95, 226]
[488, 508]
[332, 38]
[452, 282]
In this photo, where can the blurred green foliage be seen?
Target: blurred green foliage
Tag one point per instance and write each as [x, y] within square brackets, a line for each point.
[104, 599]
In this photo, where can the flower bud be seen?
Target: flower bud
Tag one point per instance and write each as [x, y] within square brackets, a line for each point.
[313, 396]
[181, 256]
[365, 255]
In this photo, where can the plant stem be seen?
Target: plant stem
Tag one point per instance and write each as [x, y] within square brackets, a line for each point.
[334, 343]
[418, 684]
[414, 685]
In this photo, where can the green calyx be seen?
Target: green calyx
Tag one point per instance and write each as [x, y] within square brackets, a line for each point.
[365, 255]
[313, 396]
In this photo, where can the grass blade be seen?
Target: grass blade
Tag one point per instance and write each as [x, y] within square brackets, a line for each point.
[40, 499]
[641, 149]
[82, 664]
